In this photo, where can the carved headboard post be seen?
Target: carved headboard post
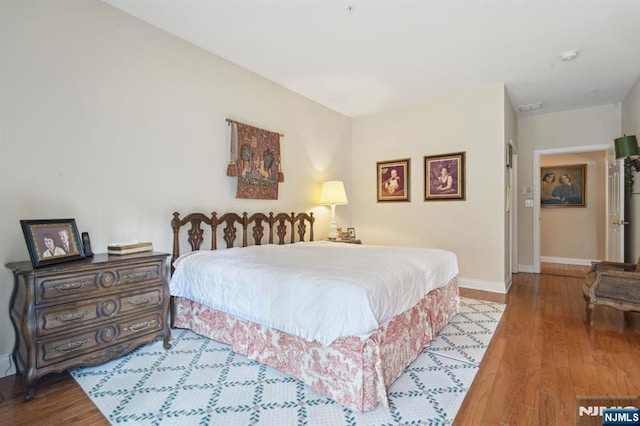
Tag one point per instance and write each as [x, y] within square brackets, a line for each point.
[293, 231]
[214, 240]
[311, 220]
[245, 225]
[175, 225]
[214, 227]
[270, 227]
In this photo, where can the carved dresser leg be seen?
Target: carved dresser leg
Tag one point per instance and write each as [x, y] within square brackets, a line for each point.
[590, 318]
[28, 396]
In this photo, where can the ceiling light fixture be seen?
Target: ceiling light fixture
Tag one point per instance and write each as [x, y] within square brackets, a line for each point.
[569, 55]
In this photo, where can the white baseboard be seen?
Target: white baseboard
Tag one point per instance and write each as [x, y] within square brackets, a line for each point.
[6, 366]
[507, 285]
[567, 260]
[527, 269]
[492, 286]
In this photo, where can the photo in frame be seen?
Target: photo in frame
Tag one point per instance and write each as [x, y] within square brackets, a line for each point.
[393, 180]
[352, 233]
[52, 241]
[444, 177]
[563, 186]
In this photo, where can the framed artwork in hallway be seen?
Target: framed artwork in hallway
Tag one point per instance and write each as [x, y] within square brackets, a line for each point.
[563, 186]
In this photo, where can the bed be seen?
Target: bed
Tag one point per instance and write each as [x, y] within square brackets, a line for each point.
[355, 347]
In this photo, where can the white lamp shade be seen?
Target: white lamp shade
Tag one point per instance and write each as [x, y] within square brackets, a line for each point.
[333, 193]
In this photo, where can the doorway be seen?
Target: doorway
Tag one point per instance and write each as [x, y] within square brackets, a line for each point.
[536, 185]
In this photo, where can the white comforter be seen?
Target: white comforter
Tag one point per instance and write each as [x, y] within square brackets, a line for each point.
[318, 291]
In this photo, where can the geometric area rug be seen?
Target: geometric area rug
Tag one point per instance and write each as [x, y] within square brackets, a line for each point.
[203, 382]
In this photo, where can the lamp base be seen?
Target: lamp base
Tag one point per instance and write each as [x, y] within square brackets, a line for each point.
[333, 231]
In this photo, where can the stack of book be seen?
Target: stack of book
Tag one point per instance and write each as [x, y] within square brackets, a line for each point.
[128, 248]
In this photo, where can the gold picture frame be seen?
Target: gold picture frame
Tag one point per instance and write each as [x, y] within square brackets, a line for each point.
[393, 180]
[444, 177]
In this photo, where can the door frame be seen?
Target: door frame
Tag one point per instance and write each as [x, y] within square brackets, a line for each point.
[513, 218]
[536, 189]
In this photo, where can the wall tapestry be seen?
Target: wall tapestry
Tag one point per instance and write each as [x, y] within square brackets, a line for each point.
[256, 161]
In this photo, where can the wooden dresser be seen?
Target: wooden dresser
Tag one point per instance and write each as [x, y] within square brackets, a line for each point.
[86, 312]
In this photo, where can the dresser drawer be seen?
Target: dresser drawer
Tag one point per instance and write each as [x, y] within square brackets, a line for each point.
[93, 283]
[92, 339]
[78, 314]
[66, 287]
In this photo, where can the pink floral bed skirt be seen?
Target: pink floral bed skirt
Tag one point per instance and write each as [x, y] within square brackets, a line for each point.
[355, 371]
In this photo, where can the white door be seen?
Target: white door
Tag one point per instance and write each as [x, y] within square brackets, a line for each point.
[615, 209]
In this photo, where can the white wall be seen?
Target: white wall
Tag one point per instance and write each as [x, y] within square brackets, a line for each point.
[577, 234]
[108, 120]
[576, 128]
[631, 126]
[474, 228]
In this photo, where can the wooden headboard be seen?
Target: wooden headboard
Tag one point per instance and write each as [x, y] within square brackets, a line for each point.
[279, 224]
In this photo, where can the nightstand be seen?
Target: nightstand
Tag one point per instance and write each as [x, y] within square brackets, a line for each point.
[350, 241]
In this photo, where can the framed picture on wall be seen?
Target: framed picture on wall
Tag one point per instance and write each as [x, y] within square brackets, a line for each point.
[444, 177]
[393, 180]
[563, 186]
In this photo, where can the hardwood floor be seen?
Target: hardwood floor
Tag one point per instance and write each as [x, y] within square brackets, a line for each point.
[541, 357]
[544, 354]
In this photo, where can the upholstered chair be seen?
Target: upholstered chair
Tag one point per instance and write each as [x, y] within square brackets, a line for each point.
[612, 284]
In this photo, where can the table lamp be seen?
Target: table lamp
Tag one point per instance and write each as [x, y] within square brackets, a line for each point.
[333, 194]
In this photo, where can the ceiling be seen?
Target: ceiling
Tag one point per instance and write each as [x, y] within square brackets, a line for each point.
[365, 56]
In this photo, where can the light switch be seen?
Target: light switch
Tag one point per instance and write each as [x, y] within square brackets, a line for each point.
[528, 203]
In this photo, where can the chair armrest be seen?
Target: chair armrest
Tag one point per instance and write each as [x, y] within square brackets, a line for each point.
[612, 266]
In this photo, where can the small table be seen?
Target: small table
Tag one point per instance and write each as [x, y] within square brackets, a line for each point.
[349, 241]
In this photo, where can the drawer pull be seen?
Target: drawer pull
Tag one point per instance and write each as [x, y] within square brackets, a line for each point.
[140, 326]
[71, 346]
[139, 302]
[71, 287]
[138, 276]
[72, 317]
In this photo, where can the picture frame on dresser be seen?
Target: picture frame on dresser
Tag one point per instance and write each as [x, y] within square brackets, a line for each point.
[51, 241]
[351, 232]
